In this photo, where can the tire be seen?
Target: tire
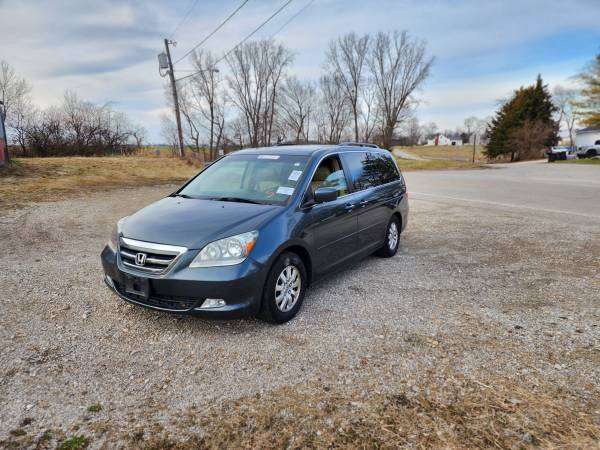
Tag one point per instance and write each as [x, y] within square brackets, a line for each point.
[392, 239]
[275, 305]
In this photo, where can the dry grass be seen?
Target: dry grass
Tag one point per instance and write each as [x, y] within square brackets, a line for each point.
[593, 161]
[408, 165]
[462, 153]
[50, 179]
[441, 411]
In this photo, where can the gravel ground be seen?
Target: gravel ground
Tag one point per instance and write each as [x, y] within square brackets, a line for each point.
[486, 288]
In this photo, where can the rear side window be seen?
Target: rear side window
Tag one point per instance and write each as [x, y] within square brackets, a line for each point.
[387, 167]
[370, 169]
[360, 167]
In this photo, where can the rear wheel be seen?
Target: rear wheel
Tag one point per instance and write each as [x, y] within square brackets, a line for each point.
[392, 239]
[284, 290]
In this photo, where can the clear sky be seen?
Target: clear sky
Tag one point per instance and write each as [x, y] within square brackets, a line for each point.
[106, 50]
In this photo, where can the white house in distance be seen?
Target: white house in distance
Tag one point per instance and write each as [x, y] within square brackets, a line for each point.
[587, 136]
[440, 139]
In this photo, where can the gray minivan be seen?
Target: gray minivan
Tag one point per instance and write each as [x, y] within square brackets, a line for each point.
[249, 233]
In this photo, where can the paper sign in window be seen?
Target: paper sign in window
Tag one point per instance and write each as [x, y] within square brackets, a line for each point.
[295, 175]
[285, 190]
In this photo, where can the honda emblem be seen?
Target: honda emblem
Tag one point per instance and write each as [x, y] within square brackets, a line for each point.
[140, 259]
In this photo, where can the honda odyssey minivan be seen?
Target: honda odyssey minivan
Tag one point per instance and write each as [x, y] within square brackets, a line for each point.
[251, 232]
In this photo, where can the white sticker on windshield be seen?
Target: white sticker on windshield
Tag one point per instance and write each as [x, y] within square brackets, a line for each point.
[268, 156]
[295, 175]
[296, 164]
[285, 190]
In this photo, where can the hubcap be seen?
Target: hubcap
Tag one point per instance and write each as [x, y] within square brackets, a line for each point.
[287, 288]
[393, 236]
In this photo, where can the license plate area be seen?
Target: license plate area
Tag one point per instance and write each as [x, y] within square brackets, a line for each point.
[137, 286]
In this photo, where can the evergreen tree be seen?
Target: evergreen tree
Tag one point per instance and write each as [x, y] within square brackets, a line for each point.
[531, 104]
[588, 109]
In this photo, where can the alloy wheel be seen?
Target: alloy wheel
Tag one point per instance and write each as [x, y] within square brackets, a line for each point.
[287, 288]
[393, 236]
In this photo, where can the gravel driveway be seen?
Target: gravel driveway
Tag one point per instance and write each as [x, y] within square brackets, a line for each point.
[488, 287]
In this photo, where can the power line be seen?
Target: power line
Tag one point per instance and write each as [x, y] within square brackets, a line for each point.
[213, 31]
[245, 39]
[292, 18]
[184, 18]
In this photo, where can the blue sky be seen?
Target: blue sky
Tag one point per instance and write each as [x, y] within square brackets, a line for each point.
[106, 49]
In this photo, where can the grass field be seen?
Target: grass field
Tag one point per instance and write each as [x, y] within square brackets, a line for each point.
[51, 179]
[446, 152]
[409, 165]
[593, 161]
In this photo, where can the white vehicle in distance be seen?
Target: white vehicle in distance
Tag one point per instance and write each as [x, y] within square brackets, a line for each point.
[589, 151]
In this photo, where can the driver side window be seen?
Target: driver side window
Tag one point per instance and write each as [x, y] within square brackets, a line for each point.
[329, 174]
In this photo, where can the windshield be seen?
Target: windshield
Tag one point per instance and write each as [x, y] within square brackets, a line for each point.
[268, 179]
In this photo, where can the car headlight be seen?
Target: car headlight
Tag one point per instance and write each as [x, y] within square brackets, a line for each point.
[113, 243]
[226, 252]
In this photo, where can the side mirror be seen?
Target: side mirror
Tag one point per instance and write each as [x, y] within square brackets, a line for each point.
[325, 194]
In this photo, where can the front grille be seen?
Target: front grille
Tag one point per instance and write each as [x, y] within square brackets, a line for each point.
[148, 257]
[170, 302]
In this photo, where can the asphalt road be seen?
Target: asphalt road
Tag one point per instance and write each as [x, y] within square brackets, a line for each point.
[497, 278]
[570, 190]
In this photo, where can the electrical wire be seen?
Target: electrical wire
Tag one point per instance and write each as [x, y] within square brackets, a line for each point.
[245, 39]
[292, 18]
[213, 31]
[187, 14]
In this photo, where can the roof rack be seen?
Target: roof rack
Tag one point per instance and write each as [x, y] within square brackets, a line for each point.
[359, 144]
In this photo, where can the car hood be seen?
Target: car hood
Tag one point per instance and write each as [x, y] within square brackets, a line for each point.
[193, 223]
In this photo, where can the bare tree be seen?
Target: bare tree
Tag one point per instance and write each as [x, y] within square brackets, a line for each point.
[256, 71]
[564, 100]
[22, 118]
[369, 113]
[335, 114]
[346, 58]
[413, 130]
[209, 99]
[429, 130]
[16, 103]
[139, 134]
[13, 89]
[473, 128]
[528, 140]
[168, 131]
[399, 65]
[296, 105]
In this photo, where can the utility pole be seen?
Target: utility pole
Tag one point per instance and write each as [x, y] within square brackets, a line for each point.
[4, 157]
[175, 99]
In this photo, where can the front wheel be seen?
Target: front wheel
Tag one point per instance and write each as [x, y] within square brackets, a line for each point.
[392, 239]
[284, 290]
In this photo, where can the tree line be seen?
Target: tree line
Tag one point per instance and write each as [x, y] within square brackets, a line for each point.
[74, 127]
[367, 89]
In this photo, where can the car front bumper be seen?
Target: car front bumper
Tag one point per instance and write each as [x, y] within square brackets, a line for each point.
[183, 290]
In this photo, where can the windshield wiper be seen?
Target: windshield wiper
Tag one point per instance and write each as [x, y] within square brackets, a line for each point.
[237, 199]
[180, 195]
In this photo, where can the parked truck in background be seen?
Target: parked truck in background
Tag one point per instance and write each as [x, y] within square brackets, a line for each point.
[589, 151]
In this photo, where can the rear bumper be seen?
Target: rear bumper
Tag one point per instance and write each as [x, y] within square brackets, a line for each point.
[183, 290]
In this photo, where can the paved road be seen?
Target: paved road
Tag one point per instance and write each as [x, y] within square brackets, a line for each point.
[572, 190]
